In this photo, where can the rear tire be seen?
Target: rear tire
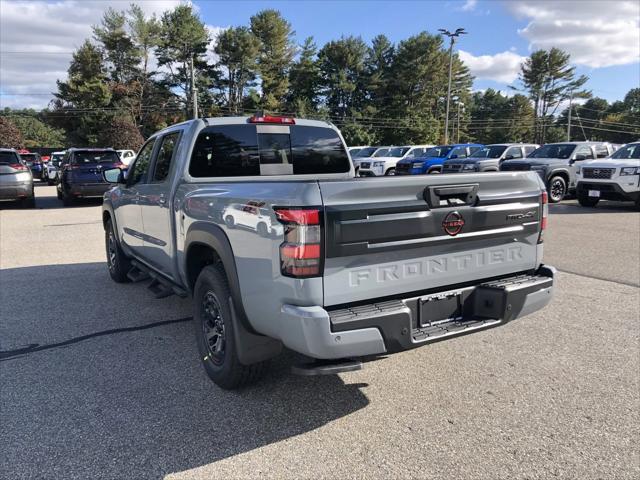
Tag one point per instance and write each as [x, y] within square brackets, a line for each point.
[67, 199]
[117, 262]
[557, 189]
[587, 201]
[29, 202]
[215, 333]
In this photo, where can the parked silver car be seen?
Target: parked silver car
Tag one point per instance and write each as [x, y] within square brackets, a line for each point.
[16, 180]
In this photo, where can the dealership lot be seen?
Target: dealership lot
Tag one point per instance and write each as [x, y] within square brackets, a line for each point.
[100, 379]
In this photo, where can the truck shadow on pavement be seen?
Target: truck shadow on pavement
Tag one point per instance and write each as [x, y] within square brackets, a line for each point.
[102, 379]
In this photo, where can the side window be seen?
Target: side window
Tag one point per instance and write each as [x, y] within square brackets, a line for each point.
[472, 150]
[602, 151]
[515, 152]
[584, 150]
[164, 159]
[226, 151]
[459, 152]
[528, 150]
[138, 171]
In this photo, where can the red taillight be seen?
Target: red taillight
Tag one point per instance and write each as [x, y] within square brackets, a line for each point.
[272, 119]
[301, 251]
[72, 166]
[18, 166]
[544, 213]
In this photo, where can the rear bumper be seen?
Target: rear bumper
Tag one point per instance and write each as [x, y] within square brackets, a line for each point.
[395, 325]
[608, 190]
[14, 191]
[89, 189]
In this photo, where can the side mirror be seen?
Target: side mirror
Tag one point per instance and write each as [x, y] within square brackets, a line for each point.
[580, 157]
[113, 175]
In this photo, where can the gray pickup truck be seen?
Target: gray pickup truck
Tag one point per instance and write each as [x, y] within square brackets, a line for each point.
[263, 223]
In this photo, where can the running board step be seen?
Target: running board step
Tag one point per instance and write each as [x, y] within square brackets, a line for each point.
[160, 286]
[326, 367]
[136, 275]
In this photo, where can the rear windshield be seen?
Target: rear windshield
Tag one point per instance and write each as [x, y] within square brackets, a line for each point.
[489, 152]
[439, 152]
[631, 151]
[239, 150]
[9, 157]
[95, 156]
[29, 157]
[563, 151]
[56, 157]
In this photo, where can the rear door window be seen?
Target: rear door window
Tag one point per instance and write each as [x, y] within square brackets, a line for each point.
[165, 156]
[250, 150]
[528, 150]
[586, 151]
[514, 152]
[602, 151]
[138, 173]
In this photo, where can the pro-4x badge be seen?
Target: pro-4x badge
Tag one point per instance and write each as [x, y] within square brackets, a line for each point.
[453, 223]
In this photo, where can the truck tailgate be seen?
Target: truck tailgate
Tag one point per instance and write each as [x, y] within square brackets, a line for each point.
[396, 235]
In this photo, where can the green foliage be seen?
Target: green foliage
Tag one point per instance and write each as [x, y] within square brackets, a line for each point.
[342, 74]
[121, 133]
[304, 81]
[377, 92]
[183, 37]
[549, 79]
[34, 131]
[238, 50]
[277, 50]
[10, 136]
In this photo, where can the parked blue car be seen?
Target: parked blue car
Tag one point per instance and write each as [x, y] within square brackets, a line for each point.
[34, 162]
[81, 173]
[433, 159]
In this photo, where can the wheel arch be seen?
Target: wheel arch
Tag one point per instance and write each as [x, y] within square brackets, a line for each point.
[207, 244]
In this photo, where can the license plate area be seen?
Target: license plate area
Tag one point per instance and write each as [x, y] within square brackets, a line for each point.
[594, 193]
[440, 309]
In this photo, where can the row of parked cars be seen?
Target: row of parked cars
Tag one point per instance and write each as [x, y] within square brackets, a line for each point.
[561, 165]
[76, 172]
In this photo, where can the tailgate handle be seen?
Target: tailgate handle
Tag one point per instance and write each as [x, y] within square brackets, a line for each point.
[452, 195]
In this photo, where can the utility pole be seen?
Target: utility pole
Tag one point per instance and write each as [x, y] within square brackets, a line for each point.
[452, 40]
[460, 104]
[569, 117]
[194, 91]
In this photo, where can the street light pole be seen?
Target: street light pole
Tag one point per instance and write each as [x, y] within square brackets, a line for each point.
[452, 40]
[460, 104]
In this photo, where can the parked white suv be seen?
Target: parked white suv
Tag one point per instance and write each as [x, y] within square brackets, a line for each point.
[613, 178]
[126, 156]
[384, 160]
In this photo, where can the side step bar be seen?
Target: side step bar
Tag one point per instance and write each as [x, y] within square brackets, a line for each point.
[326, 367]
[160, 286]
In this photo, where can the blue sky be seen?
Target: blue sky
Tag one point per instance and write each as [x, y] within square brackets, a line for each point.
[602, 36]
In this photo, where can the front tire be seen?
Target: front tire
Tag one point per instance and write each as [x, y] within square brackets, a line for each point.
[215, 333]
[434, 171]
[391, 171]
[117, 262]
[557, 189]
[587, 201]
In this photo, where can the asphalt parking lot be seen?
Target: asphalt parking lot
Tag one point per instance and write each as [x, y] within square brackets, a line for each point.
[100, 380]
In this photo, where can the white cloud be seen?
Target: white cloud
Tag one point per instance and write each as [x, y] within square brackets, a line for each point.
[596, 33]
[501, 67]
[469, 5]
[43, 34]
